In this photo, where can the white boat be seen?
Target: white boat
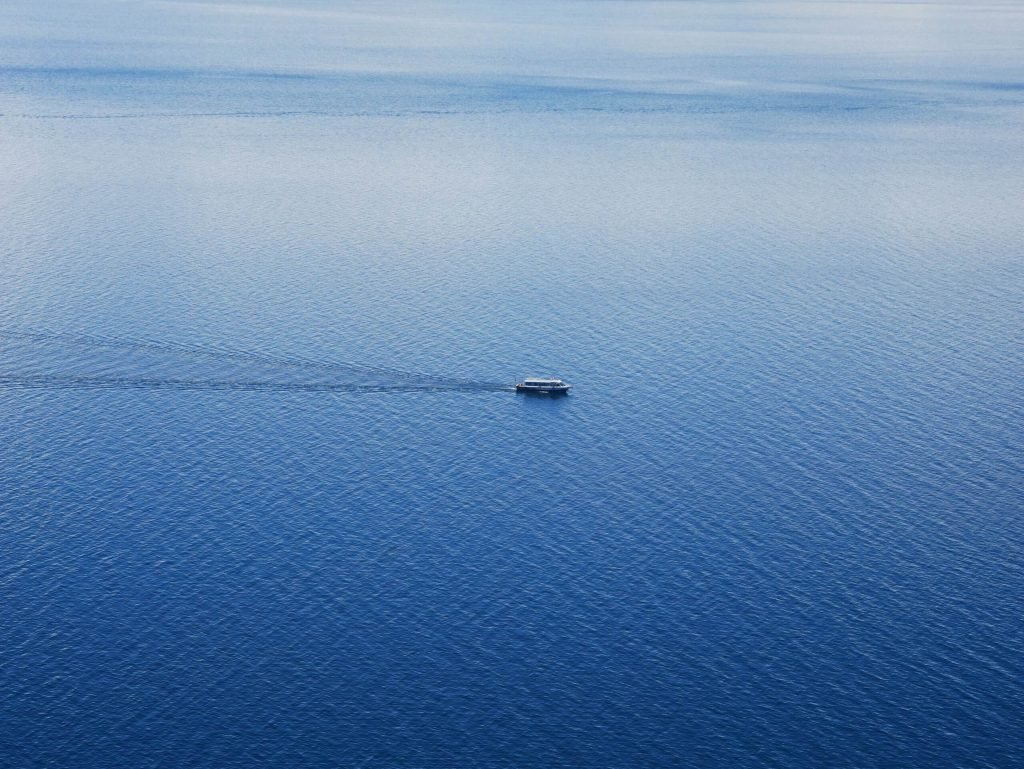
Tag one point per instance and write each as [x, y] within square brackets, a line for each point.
[543, 386]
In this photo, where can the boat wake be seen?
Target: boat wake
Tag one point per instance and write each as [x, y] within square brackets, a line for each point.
[57, 382]
[275, 372]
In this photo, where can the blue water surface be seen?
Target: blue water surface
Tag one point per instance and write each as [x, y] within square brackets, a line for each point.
[267, 270]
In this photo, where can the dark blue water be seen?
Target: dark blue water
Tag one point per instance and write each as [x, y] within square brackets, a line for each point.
[266, 271]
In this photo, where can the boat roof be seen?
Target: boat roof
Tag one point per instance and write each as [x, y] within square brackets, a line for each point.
[542, 380]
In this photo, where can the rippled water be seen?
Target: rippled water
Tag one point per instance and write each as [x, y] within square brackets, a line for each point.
[268, 269]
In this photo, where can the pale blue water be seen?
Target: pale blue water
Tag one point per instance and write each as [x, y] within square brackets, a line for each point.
[777, 248]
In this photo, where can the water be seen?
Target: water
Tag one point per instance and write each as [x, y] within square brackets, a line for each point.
[268, 269]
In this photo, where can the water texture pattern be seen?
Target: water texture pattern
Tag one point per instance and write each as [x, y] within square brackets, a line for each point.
[268, 269]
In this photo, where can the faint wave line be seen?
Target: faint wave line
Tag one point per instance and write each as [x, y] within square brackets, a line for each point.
[328, 114]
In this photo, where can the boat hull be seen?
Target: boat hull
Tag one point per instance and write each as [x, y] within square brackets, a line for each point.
[550, 390]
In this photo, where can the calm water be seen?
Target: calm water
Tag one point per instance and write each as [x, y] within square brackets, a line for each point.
[777, 247]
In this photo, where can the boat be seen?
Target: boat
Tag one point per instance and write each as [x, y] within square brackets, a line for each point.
[543, 386]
